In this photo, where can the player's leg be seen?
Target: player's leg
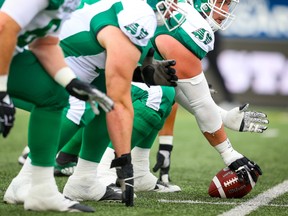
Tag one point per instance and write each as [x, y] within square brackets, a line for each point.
[67, 157]
[83, 184]
[30, 82]
[76, 116]
[166, 135]
[144, 179]
[144, 117]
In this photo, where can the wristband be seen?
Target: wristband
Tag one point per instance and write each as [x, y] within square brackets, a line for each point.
[64, 76]
[3, 83]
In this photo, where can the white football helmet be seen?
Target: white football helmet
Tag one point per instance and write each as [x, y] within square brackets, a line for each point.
[210, 7]
[168, 13]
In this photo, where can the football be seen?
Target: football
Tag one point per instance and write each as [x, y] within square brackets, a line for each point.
[225, 184]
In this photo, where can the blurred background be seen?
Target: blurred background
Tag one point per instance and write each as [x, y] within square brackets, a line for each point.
[250, 60]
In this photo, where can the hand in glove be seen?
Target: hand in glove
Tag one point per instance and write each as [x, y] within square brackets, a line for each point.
[163, 162]
[86, 92]
[243, 166]
[7, 114]
[124, 170]
[240, 119]
[154, 72]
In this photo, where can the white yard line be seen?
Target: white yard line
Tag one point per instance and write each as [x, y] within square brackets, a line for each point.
[211, 203]
[247, 207]
[260, 200]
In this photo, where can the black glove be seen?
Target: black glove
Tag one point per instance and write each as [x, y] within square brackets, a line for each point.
[243, 166]
[87, 92]
[124, 170]
[7, 114]
[163, 162]
[154, 72]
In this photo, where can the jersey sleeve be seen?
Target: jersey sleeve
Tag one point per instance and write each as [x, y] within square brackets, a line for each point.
[25, 11]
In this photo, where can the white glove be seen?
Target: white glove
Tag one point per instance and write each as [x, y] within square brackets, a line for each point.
[240, 119]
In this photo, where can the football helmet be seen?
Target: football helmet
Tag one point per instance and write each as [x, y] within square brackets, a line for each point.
[168, 10]
[224, 8]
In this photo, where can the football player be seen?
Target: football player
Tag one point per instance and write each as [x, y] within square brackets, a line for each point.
[134, 30]
[189, 44]
[231, 118]
[116, 26]
[38, 77]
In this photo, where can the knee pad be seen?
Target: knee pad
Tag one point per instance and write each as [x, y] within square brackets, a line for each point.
[193, 94]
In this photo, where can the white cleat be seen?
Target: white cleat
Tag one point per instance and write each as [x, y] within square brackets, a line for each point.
[162, 187]
[17, 191]
[149, 182]
[46, 197]
[87, 188]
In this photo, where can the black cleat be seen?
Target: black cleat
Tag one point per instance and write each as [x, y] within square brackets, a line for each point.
[80, 208]
[112, 195]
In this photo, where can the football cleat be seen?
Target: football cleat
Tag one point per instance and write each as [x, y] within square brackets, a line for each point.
[46, 197]
[17, 190]
[88, 188]
[149, 182]
[112, 195]
[80, 208]
[162, 187]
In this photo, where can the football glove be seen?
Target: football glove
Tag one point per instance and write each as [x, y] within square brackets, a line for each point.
[163, 162]
[240, 119]
[124, 170]
[7, 114]
[154, 72]
[243, 166]
[86, 92]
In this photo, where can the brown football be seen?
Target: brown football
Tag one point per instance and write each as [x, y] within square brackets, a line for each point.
[225, 184]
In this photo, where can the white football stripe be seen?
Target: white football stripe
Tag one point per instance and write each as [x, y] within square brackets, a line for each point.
[212, 203]
[219, 187]
[261, 200]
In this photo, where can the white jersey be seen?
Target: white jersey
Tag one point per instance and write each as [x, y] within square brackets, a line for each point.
[38, 18]
[83, 53]
[195, 33]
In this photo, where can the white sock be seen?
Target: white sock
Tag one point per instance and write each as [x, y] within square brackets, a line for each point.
[106, 174]
[168, 140]
[41, 175]
[140, 161]
[85, 167]
[26, 169]
[227, 152]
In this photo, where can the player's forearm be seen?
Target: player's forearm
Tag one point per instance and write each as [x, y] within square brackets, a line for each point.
[120, 123]
[50, 55]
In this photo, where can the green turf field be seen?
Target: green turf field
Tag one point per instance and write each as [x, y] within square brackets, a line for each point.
[194, 163]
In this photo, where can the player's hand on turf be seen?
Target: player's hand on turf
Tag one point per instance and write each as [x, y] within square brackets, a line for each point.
[243, 166]
[156, 72]
[124, 170]
[86, 92]
[163, 162]
[243, 120]
[7, 114]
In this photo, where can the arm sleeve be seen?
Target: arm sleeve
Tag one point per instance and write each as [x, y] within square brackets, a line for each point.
[23, 11]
